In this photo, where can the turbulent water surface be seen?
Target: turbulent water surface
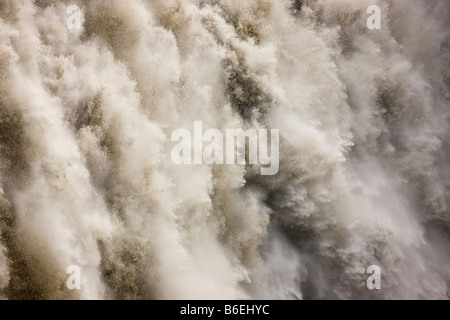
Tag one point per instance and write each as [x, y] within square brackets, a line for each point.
[87, 180]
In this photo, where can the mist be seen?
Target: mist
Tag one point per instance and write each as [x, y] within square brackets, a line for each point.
[87, 179]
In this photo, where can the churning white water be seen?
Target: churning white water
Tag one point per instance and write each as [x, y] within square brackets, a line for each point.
[87, 180]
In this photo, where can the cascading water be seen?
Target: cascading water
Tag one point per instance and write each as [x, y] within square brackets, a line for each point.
[87, 179]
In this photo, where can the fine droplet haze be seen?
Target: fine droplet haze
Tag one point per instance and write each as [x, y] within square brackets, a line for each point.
[86, 177]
